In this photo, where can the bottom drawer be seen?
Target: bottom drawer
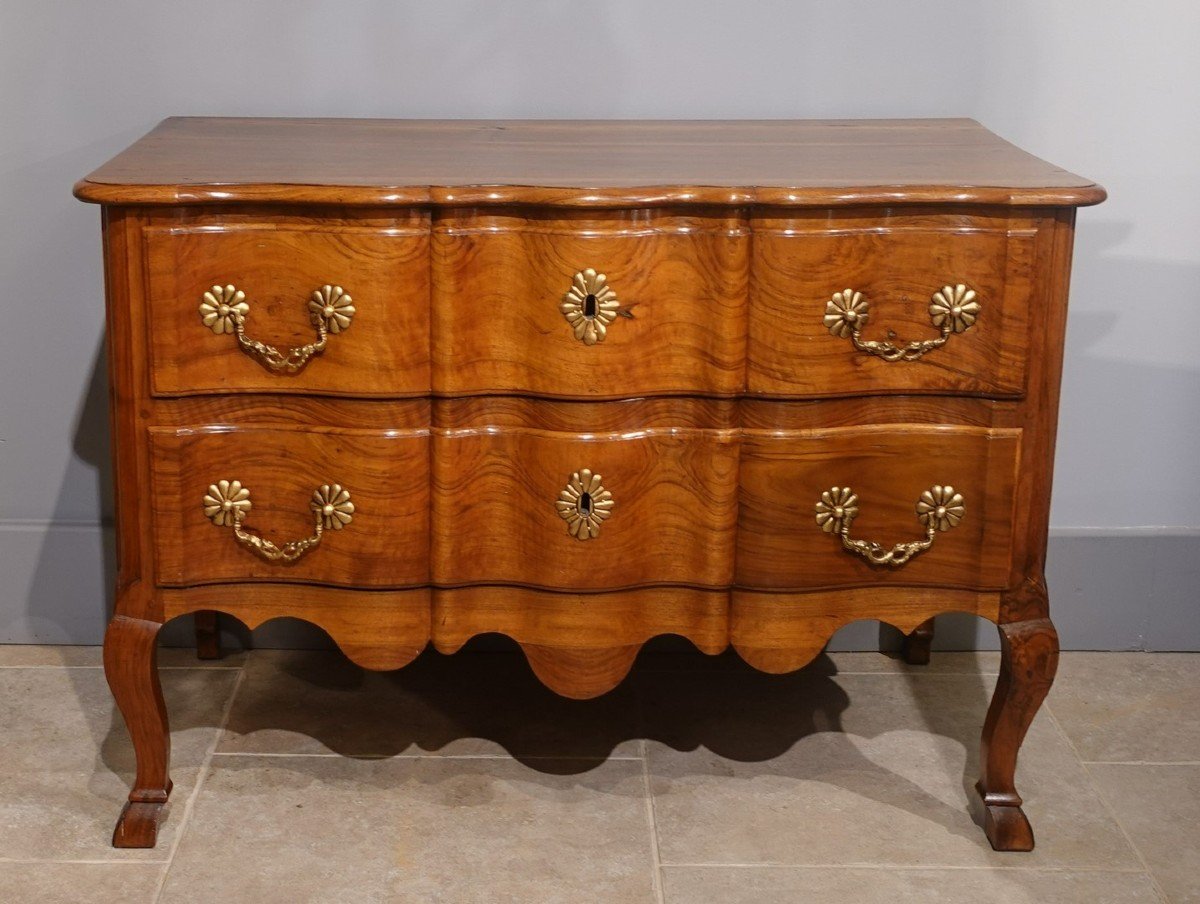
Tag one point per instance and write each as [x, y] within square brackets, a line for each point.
[932, 505]
[280, 472]
[508, 507]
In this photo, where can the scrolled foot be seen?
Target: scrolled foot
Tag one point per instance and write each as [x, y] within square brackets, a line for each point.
[1028, 660]
[130, 665]
[1006, 825]
[137, 826]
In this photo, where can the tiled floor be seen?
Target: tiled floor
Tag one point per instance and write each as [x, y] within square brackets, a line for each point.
[299, 778]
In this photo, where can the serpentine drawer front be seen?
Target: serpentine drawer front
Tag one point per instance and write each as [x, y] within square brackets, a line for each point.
[237, 302]
[583, 384]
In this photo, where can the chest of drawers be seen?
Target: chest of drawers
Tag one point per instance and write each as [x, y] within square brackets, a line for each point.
[583, 384]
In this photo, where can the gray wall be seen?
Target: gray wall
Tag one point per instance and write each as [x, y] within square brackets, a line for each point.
[1110, 90]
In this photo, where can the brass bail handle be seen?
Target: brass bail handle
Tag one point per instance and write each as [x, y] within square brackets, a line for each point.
[227, 503]
[952, 309]
[224, 309]
[940, 508]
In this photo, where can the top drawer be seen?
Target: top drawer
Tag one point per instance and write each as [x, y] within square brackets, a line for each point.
[519, 305]
[366, 278]
[858, 302]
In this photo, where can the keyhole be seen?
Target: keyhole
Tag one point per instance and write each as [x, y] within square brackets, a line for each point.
[589, 307]
[585, 505]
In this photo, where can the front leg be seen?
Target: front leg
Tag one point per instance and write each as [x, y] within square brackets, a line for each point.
[131, 666]
[1029, 659]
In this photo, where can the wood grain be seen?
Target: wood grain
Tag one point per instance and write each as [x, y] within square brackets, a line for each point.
[499, 278]
[131, 667]
[581, 645]
[387, 474]
[579, 163]
[495, 521]
[897, 260]
[781, 632]
[278, 260]
[1028, 662]
[380, 629]
[582, 417]
[780, 546]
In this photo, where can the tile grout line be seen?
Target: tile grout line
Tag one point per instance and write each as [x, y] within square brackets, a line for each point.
[83, 861]
[652, 823]
[656, 874]
[1140, 762]
[1104, 802]
[201, 776]
[914, 867]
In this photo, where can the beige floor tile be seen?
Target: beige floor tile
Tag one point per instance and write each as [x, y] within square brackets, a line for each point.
[28, 655]
[757, 885]
[982, 662]
[852, 769]
[466, 705]
[1157, 805]
[68, 760]
[459, 831]
[41, 655]
[1121, 707]
[79, 883]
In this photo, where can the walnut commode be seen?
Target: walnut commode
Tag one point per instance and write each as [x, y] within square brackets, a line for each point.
[582, 384]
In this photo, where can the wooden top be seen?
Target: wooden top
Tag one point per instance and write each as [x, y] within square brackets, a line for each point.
[579, 163]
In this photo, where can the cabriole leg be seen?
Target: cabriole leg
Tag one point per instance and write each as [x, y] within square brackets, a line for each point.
[131, 666]
[915, 649]
[1029, 659]
[208, 634]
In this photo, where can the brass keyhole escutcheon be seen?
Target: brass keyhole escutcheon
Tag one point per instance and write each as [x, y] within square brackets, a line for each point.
[584, 504]
[589, 306]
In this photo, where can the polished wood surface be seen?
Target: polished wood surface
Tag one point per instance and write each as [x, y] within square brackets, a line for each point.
[278, 260]
[130, 664]
[458, 404]
[897, 259]
[680, 280]
[382, 629]
[581, 645]
[1027, 665]
[781, 547]
[387, 474]
[580, 163]
[781, 632]
[672, 522]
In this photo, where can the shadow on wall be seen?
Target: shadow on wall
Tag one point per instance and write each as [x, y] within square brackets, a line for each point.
[71, 590]
[1109, 441]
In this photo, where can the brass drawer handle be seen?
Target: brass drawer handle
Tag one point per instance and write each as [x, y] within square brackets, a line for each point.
[224, 310]
[227, 503]
[953, 309]
[584, 504]
[939, 509]
[590, 305]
